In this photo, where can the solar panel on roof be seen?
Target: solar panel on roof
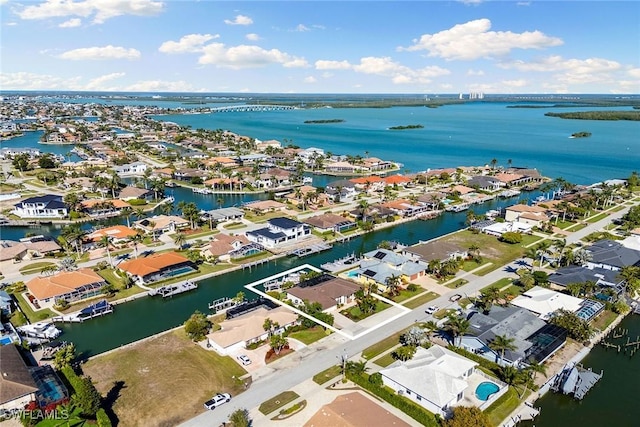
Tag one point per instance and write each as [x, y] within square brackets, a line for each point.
[369, 273]
[380, 255]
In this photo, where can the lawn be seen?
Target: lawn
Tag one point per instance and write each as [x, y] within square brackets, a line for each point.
[422, 299]
[36, 267]
[563, 225]
[469, 265]
[603, 320]
[326, 375]
[310, 335]
[234, 226]
[356, 315]
[382, 346]
[277, 402]
[163, 381]
[457, 283]
[597, 218]
[262, 218]
[505, 281]
[405, 294]
[33, 316]
[385, 360]
[501, 408]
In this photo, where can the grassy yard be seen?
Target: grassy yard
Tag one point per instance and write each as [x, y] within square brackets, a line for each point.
[563, 225]
[385, 360]
[33, 316]
[505, 281]
[277, 402]
[326, 375]
[418, 301]
[405, 294]
[457, 283]
[234, 226]
[469, 265]
[310, 335]
[597, 218]
[36, 267]
[603, 320]
[144, 378]
[252, 258]
[356, 315]
[501, 408]
[382, 346]
[250, 216]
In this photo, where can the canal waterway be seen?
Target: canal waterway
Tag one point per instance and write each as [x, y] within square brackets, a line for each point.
[613, 401]
[147, 316]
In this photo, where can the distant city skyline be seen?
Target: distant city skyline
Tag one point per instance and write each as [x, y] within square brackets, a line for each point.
[429, 47]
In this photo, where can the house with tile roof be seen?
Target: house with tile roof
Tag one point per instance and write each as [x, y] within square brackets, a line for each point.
[227, 247]
[532, 215]
[17, 386]
[160, 224]
[327, 222]
[327, 290]
[118, 234]
[67, 285]
[379, 265]
[130, 192]
[157, 267]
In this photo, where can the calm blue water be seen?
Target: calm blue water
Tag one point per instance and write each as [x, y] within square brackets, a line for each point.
[31, 140]
[453, 135]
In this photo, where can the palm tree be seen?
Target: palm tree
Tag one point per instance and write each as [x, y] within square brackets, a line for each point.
[127, 211]
[364, 207]
[494, 162]
[431, 326]
[434, 267]
[135, 239]
[526, 277]
[457, 326]
[502, 343]
[543, 249]
[536, 368]
[631, 275]
[356, 368]
[393, 285]
[106, 241]
[166, 208]
[270, 326]
[139, 212]
[532, 254]
[180, 239]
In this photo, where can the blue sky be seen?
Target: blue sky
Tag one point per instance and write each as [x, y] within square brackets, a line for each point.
[321, 46]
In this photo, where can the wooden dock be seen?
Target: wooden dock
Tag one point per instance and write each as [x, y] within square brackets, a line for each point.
[309, 250]
[175, 289]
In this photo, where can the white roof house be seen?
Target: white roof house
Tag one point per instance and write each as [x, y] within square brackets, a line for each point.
[435, 378]
[499, 228]
[544, 302]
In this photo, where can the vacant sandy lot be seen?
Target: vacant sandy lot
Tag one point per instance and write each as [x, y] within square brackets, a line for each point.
[162, 381]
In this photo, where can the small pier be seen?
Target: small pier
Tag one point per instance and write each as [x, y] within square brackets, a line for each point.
[175, 289]
[223, 304]
[101, 308]
[308, 250]
[341, 263]
[576, 380]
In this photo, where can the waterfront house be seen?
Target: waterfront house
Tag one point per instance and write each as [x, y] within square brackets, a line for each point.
[220, 162]
[263, 145]
[513, 179]
[130, 192]
[609, 281]
[308, 155]
[226, 247]
[329, 291]
[374, 164]
[439, 379]
[279, 230]
[497, 229]
[342, 168]
[369, 183]
[131, 169]
[187, 174]
[251, 159]
[532, 215]
[405, 208]
[47, 206]
[545, 302]
[436, 250]
[534, 339]
[397, 180]
[327, 222]
[101, 207]
[485, 183]
[264, 206]
[157, 267]
[66, 285]
[28, 248]
[238, 332]
[17, 387]
[222, 215]
[379, 265]
[342, 190]
[118, 234]
[160, 224]
[612, 255]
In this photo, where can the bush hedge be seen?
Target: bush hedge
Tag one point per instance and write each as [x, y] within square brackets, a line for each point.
[413, 410]
[492, 366]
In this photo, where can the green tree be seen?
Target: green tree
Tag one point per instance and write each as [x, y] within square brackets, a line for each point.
[240, 418]
[277, 342]
[525, 278]
[511, 237]
[180, 239]
[502, 343]
[456, 326]
[86, 397]
[631, 276]
[393, 285]
[466, 416]
[578, 328]
[356, 368]
[197, 326]
[404, 353]
[65, 356]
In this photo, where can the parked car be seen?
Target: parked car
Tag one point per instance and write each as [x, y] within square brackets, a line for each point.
[217, 400]
[244, 359]
[455, 297]
[431, 309]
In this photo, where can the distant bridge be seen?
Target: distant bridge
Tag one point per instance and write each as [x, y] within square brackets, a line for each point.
[244, 108]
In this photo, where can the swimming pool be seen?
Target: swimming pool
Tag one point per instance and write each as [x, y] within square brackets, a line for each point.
[352, 274]
[486, 389]
[5, 340]
[179, 271]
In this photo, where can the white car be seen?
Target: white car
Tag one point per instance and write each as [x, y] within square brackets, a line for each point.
[217, 400]
[244, 359]
[431, 309]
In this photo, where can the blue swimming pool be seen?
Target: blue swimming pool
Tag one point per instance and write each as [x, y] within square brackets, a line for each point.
[179, 271]
[353, 274]
[5, 340]
[486, 389]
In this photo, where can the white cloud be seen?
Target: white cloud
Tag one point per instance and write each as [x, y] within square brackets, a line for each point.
[11, 24]
[101, 53]
[100, 9]
[188, 43]
[523, 3]
[253, 37]
[473, 40]
[471, 2]
[99, 82]
[239, 20]
[400, 74]
[634, 72]
[301, 28]
[247, 56]
[557, 63]
[310, 79]
[471, 72]
[515, 83]
[32, 81]
[74, 22]
[160, 86]
[332, 65]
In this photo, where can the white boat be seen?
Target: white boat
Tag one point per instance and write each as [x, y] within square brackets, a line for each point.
[307, 180]
[202, 191]
[40, 330]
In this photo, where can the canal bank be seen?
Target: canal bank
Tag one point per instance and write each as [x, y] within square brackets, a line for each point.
[148, 316]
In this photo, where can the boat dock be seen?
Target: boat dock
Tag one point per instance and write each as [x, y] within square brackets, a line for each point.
[98, 309]
[175, 289]
[202, 190]
[223, 304]
[576, 380]
[636, 309]
[308, 250]
[341, 264]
